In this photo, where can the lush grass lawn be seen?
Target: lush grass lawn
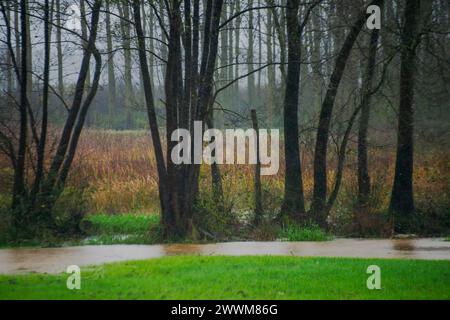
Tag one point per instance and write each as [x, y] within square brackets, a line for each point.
[240, 278]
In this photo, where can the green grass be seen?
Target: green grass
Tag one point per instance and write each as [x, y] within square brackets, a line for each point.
[293, 232]
[240, 278]
[123, 229]
[122, 224]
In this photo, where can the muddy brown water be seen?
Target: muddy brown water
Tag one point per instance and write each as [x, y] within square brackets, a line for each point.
[56, 260]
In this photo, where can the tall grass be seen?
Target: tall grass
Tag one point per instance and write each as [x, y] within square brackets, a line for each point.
[118, 171]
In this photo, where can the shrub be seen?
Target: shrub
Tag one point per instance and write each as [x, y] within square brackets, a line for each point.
[214, 219]
[69, 211]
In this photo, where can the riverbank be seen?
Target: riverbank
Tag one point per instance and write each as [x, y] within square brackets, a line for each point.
[56, 260]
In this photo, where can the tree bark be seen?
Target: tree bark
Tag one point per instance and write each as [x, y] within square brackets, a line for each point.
[167, 220]
[293, 204]
[363, 170]
[19, 192]
[271, 80]
[257, 179]
[128, 79]
[61, 90]
[111, 72]
[402, 198]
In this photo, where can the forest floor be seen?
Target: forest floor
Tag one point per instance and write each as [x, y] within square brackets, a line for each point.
[245, 277]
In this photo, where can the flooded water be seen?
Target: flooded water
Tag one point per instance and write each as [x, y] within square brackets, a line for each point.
[55, 260]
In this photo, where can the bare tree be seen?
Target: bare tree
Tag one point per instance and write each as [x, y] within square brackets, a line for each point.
[320, 156]
[179, 183]
[33, 202]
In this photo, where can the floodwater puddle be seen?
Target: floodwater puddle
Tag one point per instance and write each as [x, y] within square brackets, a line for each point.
[55, 260]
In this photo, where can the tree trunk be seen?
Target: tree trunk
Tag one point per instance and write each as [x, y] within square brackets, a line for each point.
[61, 90]
[128, 79]
[153, 122]
[44, 120]
[293, 204]
[363, 170]
[271, 80]
[237, 52]
[19, 192]
[363, 107]
[111, 73]
[250, 52]
[9, 63]
[320, 156]
[30, 56]
[84, 34]
[258, 191]
[402, 198]
[280, 29]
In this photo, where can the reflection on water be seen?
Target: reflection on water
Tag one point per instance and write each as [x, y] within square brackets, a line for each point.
[54, 260]
[403, 245]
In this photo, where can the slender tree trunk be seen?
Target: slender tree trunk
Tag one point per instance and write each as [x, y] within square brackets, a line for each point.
[402, 198]
[153, 122]
[230, 53]
[223, 73]
[179, 183]
[189, 68]
[9, 63]
[30, 56]
[17, 40]
[271, 80]
[365, 103]
[111, 73]
[45, 94]
[195, 59]
[363, 170]
[237, 51]
[316, 61]
[19, 192]
[59, 53]
[258, 189]
[259, 24]
[205, 87]
[151, 58]
[280, 29]
[74, 118]
[293, 205]
[250, 52]
[128, 79]
[320, 156]
[84, 34]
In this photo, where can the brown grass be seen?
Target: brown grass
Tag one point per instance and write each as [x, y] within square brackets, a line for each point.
[119, 173]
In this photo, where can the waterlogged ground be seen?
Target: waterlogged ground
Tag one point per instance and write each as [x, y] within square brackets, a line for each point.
[56, 260]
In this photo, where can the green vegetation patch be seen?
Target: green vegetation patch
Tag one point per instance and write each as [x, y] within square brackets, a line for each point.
[293, 232]
[122, 229]
[249, 278]
[122, 224]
